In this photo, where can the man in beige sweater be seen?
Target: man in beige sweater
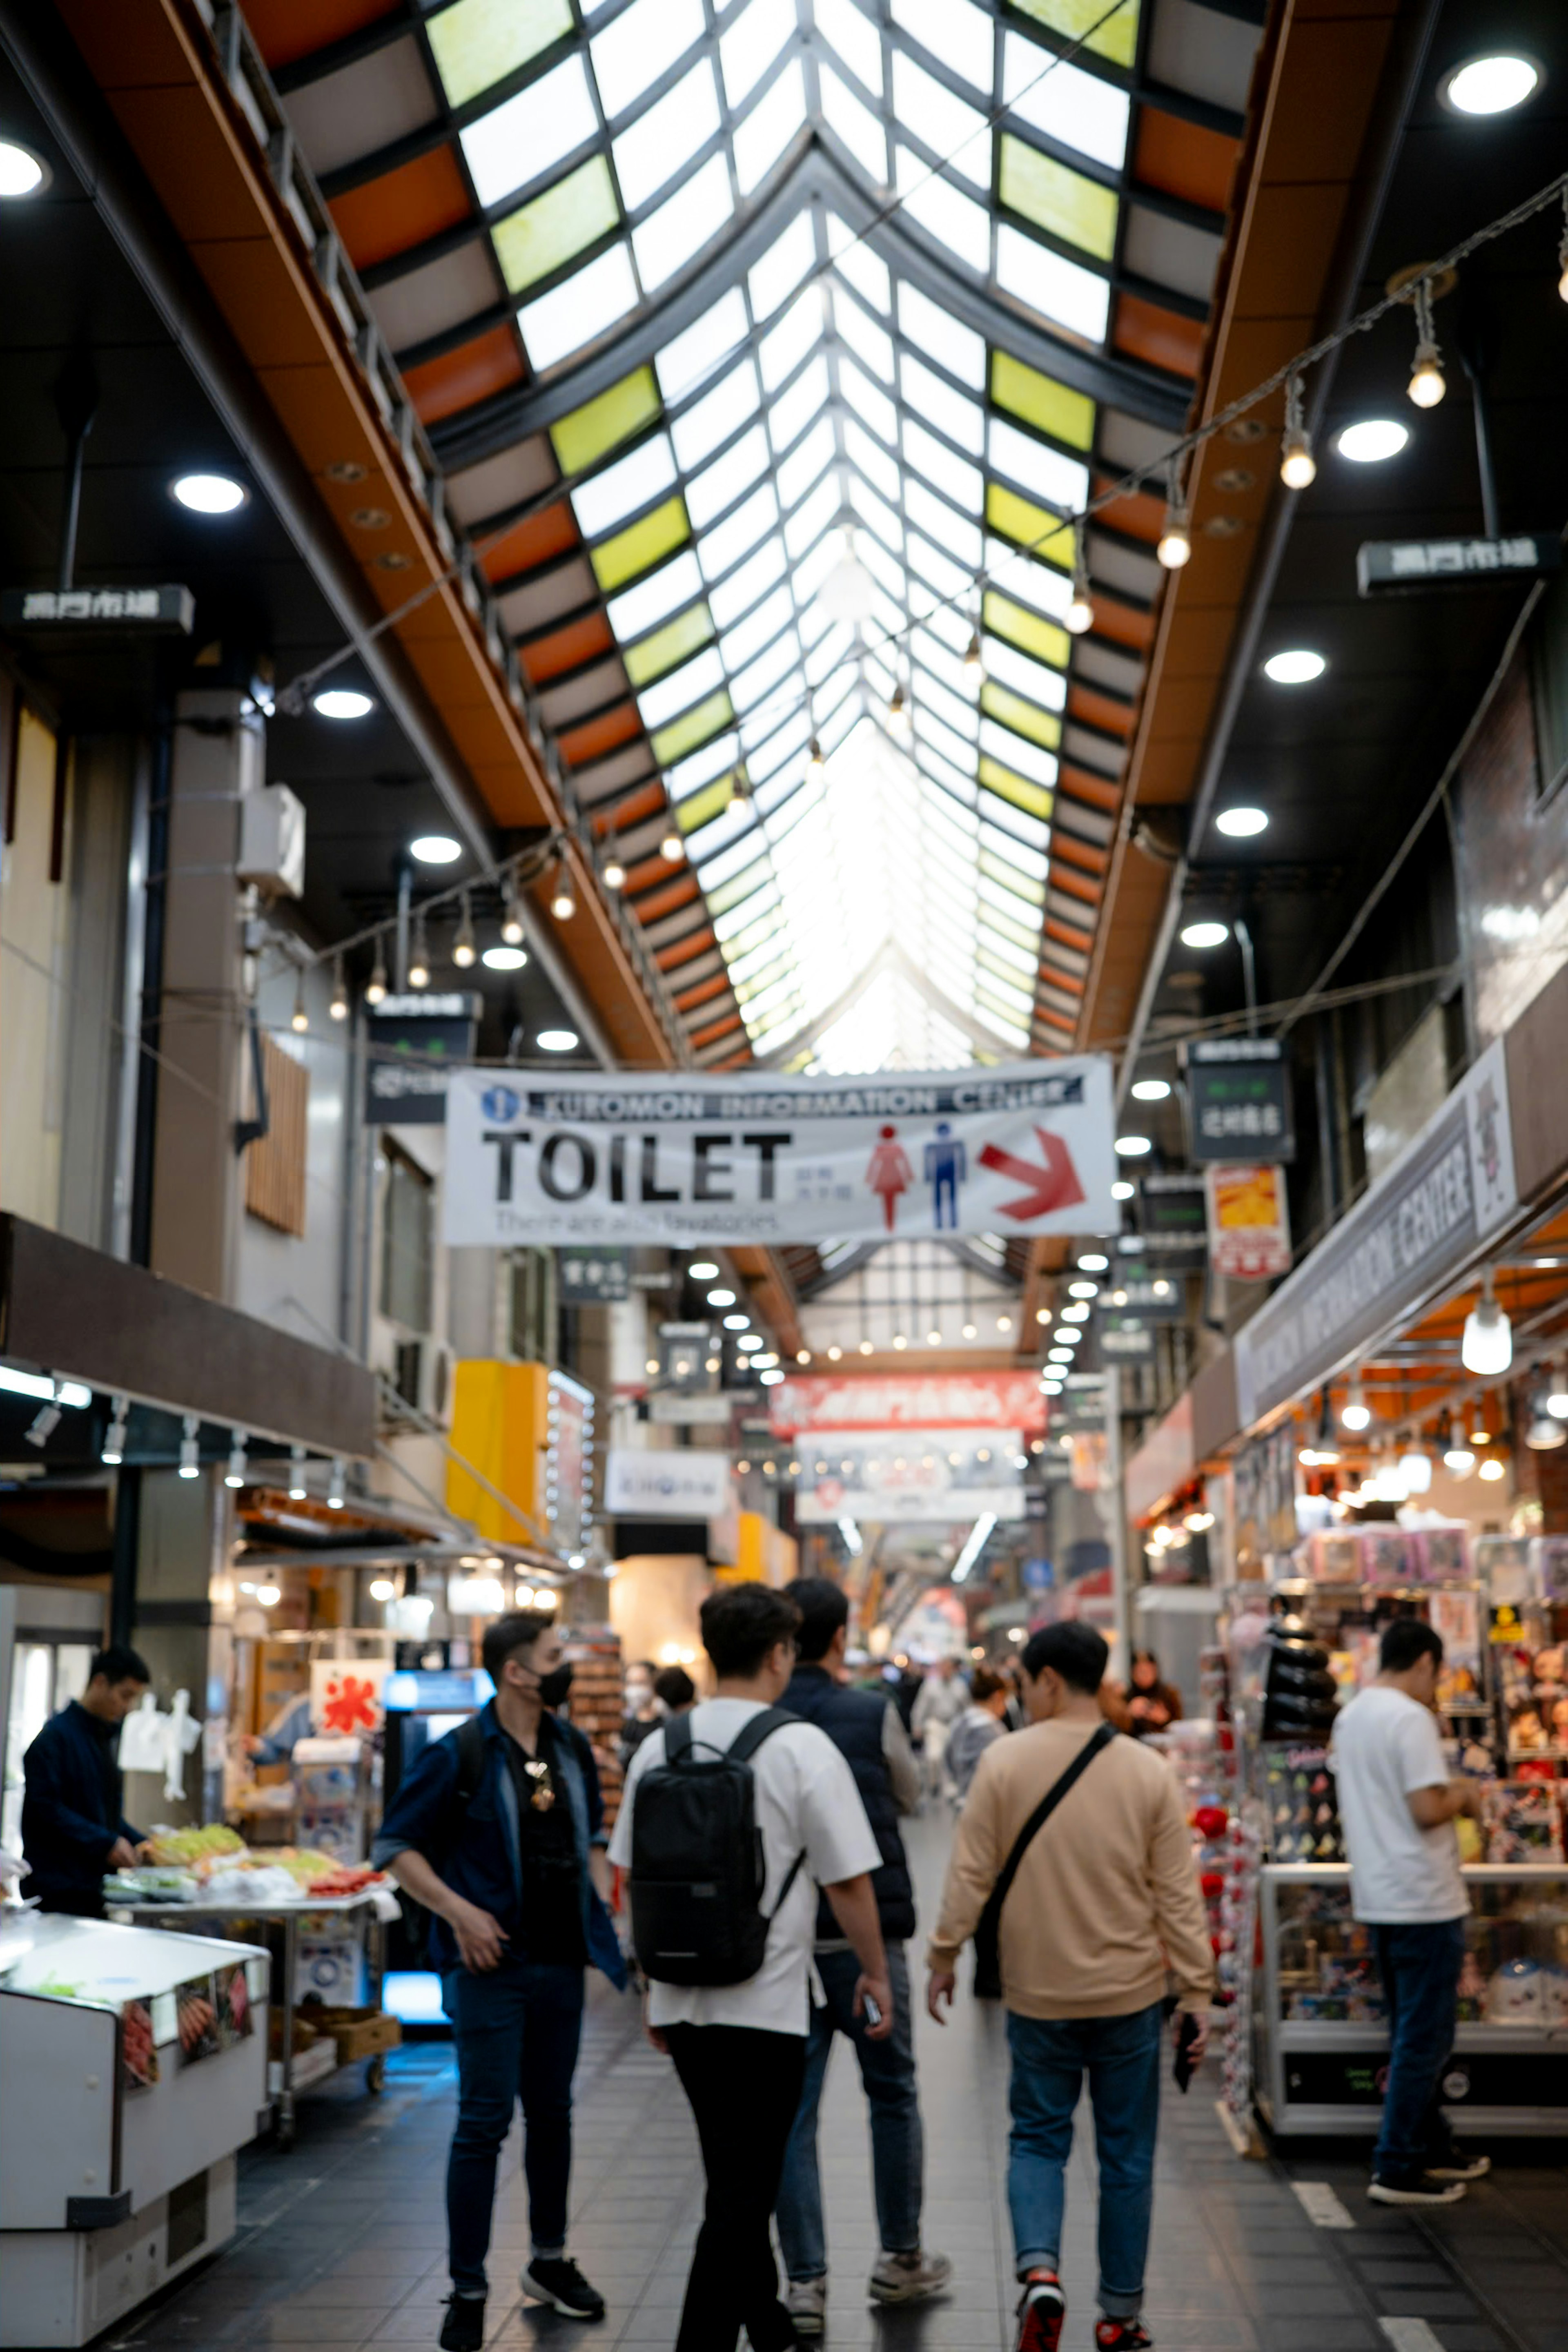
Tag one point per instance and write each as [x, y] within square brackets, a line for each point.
[1106, 1904]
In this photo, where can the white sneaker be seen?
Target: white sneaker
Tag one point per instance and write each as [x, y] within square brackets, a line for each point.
[806, 2300]
[908, 2278]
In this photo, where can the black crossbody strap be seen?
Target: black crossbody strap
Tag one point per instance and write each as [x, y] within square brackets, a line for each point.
[1098, 1740]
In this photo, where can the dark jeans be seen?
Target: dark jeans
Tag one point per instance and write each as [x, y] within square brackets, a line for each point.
[744, 2086]
[1419, 1967]
[516, 2029]
[887, 2074]
[1121, 2056]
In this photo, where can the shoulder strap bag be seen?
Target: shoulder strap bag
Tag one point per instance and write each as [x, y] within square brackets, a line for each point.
[988, 1953]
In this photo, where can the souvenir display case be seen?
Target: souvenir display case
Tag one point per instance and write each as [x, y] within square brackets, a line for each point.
[132, 2067]
[1319, 2022]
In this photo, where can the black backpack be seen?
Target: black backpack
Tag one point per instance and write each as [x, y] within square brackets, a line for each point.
[697, 1863]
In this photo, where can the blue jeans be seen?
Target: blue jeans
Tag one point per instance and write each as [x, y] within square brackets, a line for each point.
[897, 2148]
[1121, 2056]
[517, 2029]
[1419, 1967]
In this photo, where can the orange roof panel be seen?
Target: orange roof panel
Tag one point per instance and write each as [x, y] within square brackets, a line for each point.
[285, 30]
[546, 658]
[529, 542]
[1183, 159]
[400, 209]
[490, 364]
[1158, 337]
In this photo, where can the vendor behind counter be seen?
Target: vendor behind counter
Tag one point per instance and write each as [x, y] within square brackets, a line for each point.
[73, 1825]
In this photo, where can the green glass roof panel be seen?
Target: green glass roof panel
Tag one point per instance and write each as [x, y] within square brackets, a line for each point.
[1051, 407]
[695, 726]
[1035, 799]
[1081, 211]
[542, 236]
[1000, 702]
[1044, 534]
[479, 42]
[1030, 631]
[1115, 37]
[581, 440]
[642, 544]
[652, 656]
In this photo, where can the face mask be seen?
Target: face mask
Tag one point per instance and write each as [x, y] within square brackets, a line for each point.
[636, 1695]
[554, 1686]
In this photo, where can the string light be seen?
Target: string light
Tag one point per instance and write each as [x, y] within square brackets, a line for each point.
[896, 703]
[562, 905]
[813, 758]
[613, 874]
[1176, 535]
[1427, 382]
[511, 913]
[376, 986]
[300, 1020]
[463, 949]
[738, 794]
[974, 660]
[1563, 253]
[338, 1007]
[419, 959]
[1079, 614]
[1298, 467]
[1356, 1412]
[671, 849]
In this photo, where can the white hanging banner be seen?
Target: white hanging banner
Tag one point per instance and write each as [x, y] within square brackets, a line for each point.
[1026, 1148]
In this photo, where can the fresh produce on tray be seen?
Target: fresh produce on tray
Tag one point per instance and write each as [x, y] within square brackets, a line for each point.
[186, 1848]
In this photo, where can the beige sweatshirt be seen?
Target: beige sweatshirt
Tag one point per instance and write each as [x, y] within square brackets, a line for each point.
[1106, 1897]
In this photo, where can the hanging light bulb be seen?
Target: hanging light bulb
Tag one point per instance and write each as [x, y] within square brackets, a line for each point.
[738, 794]
[613, 874]
[296, 1474]
[1298, 467]
[189, 1459]
[1416, 1469]
[463, 949]
[1356, 1412]
[1486, 1347]
[1459, 1457]
[338, 1007]
[300, 1020]
[1427, 382]
[1079, 614]
[1176, 535]
[562, 905]
[1545, 1434]
[1557, 1393]
[376, 986]
[813, 758]
[235, 1474]
[418, 956]
[974, 660]
[671, 849]
[511, 913]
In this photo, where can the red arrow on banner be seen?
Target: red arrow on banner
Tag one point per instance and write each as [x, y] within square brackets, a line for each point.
[1054, 1186]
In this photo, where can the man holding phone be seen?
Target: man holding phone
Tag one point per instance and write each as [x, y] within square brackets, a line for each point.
[1100, 1899]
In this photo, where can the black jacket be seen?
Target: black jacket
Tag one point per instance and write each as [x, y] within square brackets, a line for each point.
[71, 1812]
[852, 1721]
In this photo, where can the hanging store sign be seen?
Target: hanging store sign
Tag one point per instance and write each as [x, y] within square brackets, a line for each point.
[1124, 1337]
[948, 1475]
[1238, 1098]
[1173, 1218]
[680, 1484]
[1152, 1297]
[1249, 1222]
[415, 1044]
[152, 610]
[924, 1400]
[670, 1411]
[1402, 567]
[1024, 1148]
[591, 1277]
[1452, 1186]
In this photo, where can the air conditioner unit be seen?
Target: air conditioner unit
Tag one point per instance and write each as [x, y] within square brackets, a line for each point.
[272, 841]
[437, 1381]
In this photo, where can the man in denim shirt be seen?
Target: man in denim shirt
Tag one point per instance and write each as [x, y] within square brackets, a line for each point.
[504, 1849]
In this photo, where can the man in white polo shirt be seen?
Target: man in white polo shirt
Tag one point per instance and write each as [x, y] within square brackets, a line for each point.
[740, 2049]
[1399, 1806]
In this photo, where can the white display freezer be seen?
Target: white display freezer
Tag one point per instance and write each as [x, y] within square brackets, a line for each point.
[132, 2067]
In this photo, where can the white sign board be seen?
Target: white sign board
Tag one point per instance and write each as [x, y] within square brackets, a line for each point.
[942, 1475]
[684, 1484]
[1021, 1149]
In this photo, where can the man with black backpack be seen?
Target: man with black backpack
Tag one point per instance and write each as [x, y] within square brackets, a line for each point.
[499, 1833]
[1073, 1869]
[733, 1815]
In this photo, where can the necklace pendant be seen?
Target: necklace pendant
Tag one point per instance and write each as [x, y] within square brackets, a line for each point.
[543, 1799]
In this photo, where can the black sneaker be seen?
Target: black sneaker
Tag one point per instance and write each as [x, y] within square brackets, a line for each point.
[463, 2329]
[1414, 2189]
[1042, 2307]
[1122, 2336]
[555, 2279]
[1456, 2163]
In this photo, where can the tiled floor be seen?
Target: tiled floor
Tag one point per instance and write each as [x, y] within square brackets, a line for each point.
[342, 2244]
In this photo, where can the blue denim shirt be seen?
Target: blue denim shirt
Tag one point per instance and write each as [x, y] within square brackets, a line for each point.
[475, 1847]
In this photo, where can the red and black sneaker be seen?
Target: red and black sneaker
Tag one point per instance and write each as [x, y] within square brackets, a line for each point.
[1122, 2336]
[1042, 2307]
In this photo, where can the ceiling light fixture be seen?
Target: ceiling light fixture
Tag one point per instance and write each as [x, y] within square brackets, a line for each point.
[1296, 666]
[613, 874]
[672, 848]
[1083, 1290]
[974, 660]
[897, 703]
[1122, 1191]
[339, 1005]
[557, 1041]
[190, 1458]
[1557, 1394]
[1491, 85]
[1150, 1089]
[1486, 1347]
[504, 959]
[1175, 548]
[1372, 440]
[335, 1484]
[1493, 1469]
[813, 758]
[1079, 614]
[114, 1435]
[562, 905]
[1298, 467]
[464, 951]
[512, 928]
[1459, 1457]
[376, 986]
[419, 955]
[234, 1474]
[435, 849]
[1205, 935]
[296, 1474]
[1132, 1146]
[1093, 1262]
[1427, 382]
[300, 1020]
[1356, 1412]
[1240, 824]
[1563, 253]
[342, 702]
[22, 174]
[208, 494]
[721, 1299]
[1545, 1434]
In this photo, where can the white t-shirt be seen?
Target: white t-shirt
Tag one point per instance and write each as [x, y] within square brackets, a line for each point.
[1386, 1745]
[805, 1799]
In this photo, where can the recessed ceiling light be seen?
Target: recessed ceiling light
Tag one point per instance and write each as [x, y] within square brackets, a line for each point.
[1151, 1089]
[1121, 1191]
[737, 1323]
[1132, 1146]
[208, 494]
[703, 1269]
[1296, 665]
[22, 174]
[721, 1299]
[1240, 824]
[557, 1041]
[431, 849]
[1373, 440]
[1489, 85]
[1205, 935]
[342, 702]
[505, 959]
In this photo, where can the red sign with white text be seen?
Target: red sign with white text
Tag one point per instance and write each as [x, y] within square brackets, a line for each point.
[912, 1400]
